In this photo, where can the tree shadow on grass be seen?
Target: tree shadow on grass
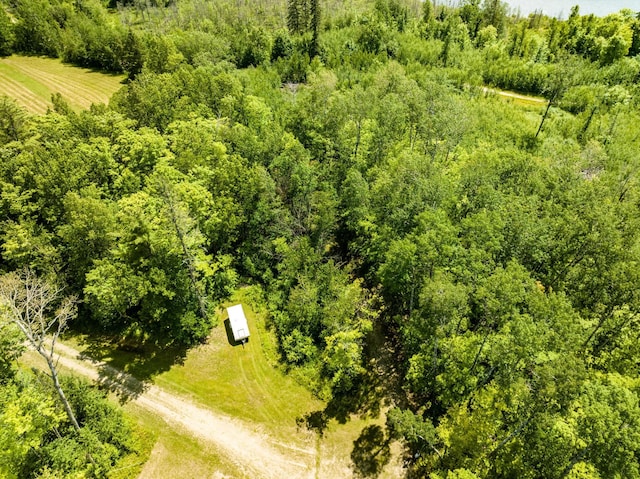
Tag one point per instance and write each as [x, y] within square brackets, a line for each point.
[378, 387]
[125, 369]
[371, 452]
[316, 421]
[364, 399]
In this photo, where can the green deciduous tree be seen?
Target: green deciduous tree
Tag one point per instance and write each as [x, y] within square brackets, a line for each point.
[155, 280]
[562, 77]
[12, 120]
[27, 414]
[86, 232]
[11, 347]
[37, 30]
[7, 36]
[494, 12]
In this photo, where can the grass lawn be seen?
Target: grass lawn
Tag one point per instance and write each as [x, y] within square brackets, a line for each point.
[515, 98]
[243, 382]
[240, 381]
[523, 101]
[32, 80]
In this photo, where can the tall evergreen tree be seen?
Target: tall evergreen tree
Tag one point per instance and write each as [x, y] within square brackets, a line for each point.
[296, 16]
[635, 39]
[132, 60]
[315, 27]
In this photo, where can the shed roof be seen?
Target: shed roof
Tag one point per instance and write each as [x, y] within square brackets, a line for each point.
[238, 322]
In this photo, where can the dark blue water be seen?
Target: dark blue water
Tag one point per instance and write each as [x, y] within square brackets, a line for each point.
[562, 8]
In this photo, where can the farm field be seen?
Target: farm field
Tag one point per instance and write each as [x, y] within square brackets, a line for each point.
[32, 80]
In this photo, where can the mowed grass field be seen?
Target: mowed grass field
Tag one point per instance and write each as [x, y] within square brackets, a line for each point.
[242, 382]
[32, 80]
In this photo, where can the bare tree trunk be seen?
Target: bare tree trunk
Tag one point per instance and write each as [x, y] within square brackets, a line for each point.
[608, 313]
[61, 395]
[189, 260]
[589, 119]
[577, 457]
[28, 300]
[515, 433]
[612, 128]
[544, 117]
[355, 149]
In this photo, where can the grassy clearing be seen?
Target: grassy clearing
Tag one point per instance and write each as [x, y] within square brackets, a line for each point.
[32, 81]
[163, 451]
[336, 447]
[514, 98]
[526, 103]
[243, 382]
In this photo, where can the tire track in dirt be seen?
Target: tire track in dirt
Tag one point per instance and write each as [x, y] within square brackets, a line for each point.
[247, 449]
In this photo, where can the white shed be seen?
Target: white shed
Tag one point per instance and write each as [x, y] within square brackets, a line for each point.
[238, 323]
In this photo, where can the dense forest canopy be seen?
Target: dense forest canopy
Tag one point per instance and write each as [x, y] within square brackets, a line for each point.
[347, 158]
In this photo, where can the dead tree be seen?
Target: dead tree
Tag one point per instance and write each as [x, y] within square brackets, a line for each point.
[29, 302]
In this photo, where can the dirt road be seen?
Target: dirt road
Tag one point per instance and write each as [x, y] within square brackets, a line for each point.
[250, 451]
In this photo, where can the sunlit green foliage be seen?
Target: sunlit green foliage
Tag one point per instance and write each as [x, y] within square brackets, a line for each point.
[38, 441]
[353, 164]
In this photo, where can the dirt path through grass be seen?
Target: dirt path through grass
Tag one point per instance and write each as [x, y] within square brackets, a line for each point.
[249, 450]
[532, 100]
